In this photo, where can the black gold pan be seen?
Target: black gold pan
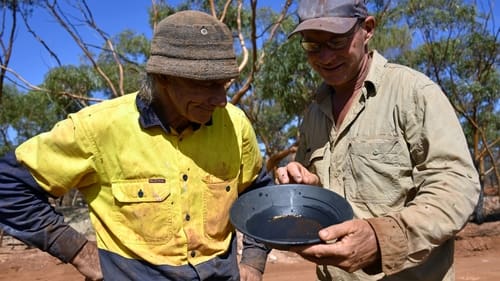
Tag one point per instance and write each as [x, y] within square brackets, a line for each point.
[288, 215]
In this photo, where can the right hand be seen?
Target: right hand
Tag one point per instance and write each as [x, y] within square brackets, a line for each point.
[87, 262]
[294, 172]
[355, 246]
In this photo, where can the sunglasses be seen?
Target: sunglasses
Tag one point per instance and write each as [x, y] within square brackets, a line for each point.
[334, 44]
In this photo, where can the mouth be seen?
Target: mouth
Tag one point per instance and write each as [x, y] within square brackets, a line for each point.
[207, 109]
[330, 67]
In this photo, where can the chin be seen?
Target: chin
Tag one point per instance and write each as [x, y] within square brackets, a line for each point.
[202, 121]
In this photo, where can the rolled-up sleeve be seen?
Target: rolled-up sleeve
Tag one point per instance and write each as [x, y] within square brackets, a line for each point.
[445, 178]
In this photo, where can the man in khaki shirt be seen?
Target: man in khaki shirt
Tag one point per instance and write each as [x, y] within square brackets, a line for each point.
[386, 138]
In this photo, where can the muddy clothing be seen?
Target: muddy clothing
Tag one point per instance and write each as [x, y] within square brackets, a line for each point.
[401, 159]
[159, 200]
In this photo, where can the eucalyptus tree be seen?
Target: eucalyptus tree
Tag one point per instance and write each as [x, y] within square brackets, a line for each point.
[446, 39]
[460, 50]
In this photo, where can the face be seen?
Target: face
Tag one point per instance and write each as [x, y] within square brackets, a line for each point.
[337, 58]
[188, 100]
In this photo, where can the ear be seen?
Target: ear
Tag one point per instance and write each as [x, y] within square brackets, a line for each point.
[369, 27]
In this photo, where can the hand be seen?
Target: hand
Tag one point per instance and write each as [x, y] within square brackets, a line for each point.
[294, 172]
[87, 262]
[354, 247]
[248, 273]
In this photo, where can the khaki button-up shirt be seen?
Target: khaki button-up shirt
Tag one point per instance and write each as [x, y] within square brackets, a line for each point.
[401, 159]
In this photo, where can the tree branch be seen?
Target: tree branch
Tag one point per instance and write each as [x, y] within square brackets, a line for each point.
[36, 88]
[68, 27]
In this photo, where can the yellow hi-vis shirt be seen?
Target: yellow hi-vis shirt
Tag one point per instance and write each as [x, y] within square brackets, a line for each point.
[153, 194]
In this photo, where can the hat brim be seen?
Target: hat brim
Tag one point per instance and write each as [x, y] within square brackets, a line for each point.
[193, 69]
[329, 24]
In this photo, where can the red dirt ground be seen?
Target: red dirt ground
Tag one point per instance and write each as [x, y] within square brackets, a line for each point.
[477, 258]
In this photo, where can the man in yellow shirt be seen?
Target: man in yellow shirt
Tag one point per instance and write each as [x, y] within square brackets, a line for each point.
[159, 169]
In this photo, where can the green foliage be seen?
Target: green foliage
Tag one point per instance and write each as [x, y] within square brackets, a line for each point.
[23, 115]
[460, 52]
[446, 39]
[8, 114]
[132, 51]
[164, 10]
[78, 80]
[287, 78]
[392, 37]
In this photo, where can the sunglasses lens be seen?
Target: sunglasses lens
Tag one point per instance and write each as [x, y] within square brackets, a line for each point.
[310, 46]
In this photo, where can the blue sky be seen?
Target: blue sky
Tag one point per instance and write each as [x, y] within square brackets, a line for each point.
[32, 61]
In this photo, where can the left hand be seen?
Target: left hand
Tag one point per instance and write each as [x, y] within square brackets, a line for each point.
[87, 262]
[248, 273]
[294, 172]
[355, 246]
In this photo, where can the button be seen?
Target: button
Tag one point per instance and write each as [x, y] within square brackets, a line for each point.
[185, 177]
[188, 217]
[193, 254]
[140, 193]
[228, 188]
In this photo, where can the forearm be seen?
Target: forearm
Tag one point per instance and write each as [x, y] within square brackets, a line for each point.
[443, 188]
[254, 253]
[406, 238]
[26, 213]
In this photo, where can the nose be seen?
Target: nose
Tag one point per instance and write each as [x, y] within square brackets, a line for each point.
[326, 54]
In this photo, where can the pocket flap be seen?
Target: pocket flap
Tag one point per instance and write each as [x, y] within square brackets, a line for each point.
[312, 154]
[131, 191]
[375, 147]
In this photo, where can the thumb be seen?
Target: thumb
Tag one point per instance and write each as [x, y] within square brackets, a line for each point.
[331, 233]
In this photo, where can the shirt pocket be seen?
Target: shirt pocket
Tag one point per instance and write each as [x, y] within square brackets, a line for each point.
[317, 161]
[143, 211]
[378, 173]
[217, 201]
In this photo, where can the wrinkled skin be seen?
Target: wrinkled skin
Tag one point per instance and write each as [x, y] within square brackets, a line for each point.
[248, 273]
[355, 246]
[351, 245]
[180, 101]
[87, 262]
[294, 172]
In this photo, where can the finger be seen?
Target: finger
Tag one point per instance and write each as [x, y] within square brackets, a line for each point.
[282, 175]
[336, 231]
[310, 178]
[295, 172]
[320, 254]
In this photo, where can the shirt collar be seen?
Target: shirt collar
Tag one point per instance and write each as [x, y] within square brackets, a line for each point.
[372, 81]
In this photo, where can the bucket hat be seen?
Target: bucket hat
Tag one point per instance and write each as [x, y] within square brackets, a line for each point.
[195, 45]
[335, 16]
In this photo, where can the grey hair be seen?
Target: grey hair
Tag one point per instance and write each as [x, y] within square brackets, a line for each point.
[146, 90]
